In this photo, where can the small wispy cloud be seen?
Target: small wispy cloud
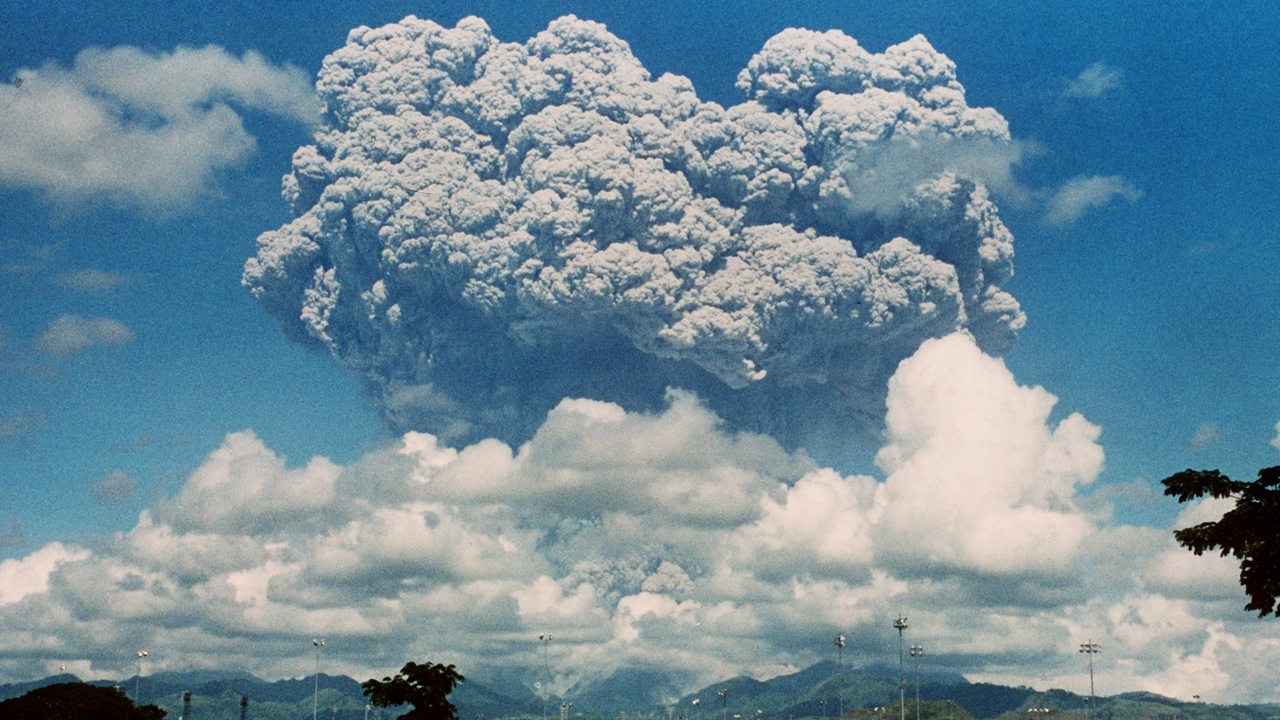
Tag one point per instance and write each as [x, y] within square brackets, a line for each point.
[17, 423]
[72, 334]
[92, 280]
[1094, 81]
[11, 535]
[23, 258]
[1206, 435]
[1083, 193]
[116, 487]
[1275, 441]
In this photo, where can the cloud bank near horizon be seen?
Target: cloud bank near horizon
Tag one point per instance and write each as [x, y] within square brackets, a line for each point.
[483, 228]
[660, 541]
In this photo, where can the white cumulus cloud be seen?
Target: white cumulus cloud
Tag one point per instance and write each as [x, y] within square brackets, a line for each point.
[661, 541]
[971, 458]
[23, 577]
[131, 127]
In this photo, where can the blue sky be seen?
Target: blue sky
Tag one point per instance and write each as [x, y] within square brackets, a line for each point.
[1136, 178]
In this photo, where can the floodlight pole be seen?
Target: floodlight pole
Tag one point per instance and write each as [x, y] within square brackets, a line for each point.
[901, 624]
[839, 674]
[916, 652]
[546, 672]
[318, 644]
[1090, 648]
[137, 682]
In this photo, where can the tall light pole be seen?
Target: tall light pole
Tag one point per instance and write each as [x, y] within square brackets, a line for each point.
[916, 652]
[546, 672]
[318, 644]
[839, 674]
[137, 682]
[724, 702]
[901, 624]
[1090, 648]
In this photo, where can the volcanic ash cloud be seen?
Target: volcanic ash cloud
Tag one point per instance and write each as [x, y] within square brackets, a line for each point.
[483, 228]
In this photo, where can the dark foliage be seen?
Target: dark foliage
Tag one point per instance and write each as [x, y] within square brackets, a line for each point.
[76, 701]
[424, 687]
[1249, 532]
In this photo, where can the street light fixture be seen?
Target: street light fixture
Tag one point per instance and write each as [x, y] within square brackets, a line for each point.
[724, 702]
[901, 624]
[1090, 648]
[916, 652]
[318, 644]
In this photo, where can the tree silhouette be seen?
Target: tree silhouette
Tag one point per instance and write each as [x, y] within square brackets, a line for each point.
[76, 701]
[1250, 531]
[425, 687]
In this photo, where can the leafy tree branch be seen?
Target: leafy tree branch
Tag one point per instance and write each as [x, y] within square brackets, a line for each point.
[1249, 532]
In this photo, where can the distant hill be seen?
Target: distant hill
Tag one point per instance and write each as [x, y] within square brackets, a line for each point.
[821, 691]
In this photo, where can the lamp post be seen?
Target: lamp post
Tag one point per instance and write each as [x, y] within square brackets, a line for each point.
[318, 644]
[1090, 648]
[839, 674]
[901, 624]
[546, 672]
[916, 652]
[724, 702]
[137, 682]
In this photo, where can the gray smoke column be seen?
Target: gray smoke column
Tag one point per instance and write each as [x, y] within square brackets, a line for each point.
[482, 228]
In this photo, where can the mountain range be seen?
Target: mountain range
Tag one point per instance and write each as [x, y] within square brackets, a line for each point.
[824, 690]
